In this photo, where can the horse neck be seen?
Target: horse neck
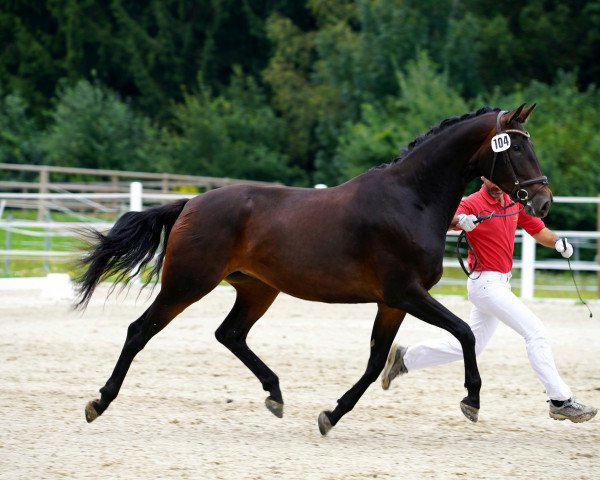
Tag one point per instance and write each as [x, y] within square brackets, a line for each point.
[443, 165]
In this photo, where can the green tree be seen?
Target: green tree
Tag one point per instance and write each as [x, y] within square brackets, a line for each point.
[19, 135]
[424, 100]
[28, 66]
[93, 128]
[294, 96]
[533, 39]
[235, 134]
[145, 51]
[462, 55]
[321, 69]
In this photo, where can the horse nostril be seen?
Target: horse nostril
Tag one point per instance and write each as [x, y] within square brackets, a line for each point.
[545, 208]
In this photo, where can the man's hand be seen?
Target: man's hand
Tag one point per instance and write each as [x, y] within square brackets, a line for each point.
[467, 222]
[564, 247]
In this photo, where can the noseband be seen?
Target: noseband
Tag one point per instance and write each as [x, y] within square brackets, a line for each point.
[518, 193]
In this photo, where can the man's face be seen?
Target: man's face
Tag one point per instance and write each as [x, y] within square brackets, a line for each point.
[494, 190]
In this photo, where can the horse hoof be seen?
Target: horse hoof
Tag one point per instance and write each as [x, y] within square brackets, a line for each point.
[324, 423]
[276, 408]
[90, 412]
[470, 412]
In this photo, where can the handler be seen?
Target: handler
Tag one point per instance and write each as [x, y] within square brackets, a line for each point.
[490, 293]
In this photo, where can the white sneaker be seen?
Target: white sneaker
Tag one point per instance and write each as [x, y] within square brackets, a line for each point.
[572, 410]
[394, 365]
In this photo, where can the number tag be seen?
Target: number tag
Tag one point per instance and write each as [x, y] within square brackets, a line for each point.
[501, 142]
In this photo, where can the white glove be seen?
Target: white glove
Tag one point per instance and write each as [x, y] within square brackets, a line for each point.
[466, 222]
[564, 247]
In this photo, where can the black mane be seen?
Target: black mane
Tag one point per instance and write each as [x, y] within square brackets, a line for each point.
[435, 130]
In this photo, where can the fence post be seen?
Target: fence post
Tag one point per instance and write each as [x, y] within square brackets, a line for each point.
[527, 266]
[47, 247]
[7, 245]
[164, 183]
[44, 178]
[135, 197]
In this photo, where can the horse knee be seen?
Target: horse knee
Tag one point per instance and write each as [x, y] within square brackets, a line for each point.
[372, 375]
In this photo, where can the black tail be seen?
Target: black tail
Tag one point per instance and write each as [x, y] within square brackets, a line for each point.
[130, 244]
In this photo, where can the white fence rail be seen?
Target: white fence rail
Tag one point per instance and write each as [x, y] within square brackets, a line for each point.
[136, 198]
[528, 264]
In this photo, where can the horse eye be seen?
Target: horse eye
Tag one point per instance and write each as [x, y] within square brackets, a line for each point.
[516, 148]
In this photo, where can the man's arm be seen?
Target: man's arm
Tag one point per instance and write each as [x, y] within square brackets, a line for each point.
[549, 239]
[546, 237]
[453, 222]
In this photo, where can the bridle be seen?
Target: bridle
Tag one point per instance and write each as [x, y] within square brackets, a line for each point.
[518, 193]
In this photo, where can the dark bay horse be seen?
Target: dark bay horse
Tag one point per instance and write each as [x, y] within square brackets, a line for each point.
[376, 238]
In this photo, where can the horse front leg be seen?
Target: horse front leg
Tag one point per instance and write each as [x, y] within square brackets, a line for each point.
[423, 306]
[387, 323]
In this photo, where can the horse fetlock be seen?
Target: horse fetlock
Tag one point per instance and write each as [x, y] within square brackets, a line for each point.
[473, 388]
[472, 400]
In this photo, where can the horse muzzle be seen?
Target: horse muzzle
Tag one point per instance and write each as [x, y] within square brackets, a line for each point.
[538, 204]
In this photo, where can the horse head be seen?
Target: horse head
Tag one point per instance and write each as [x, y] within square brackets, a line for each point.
[511, 163]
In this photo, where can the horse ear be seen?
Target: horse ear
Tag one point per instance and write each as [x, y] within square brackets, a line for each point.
[526, 113]
[515, 115]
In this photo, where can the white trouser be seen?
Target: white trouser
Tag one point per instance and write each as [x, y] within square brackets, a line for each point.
[492, 302]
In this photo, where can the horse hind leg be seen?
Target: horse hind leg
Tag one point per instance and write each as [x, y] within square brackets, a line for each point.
[252, 301]
[168, 304]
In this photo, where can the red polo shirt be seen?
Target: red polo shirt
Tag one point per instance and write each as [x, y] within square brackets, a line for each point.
[494, 240]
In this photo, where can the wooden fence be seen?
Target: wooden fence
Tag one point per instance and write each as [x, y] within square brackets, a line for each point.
[53, 179]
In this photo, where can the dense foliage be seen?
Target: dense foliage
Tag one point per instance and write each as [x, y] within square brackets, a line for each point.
[299, 91]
